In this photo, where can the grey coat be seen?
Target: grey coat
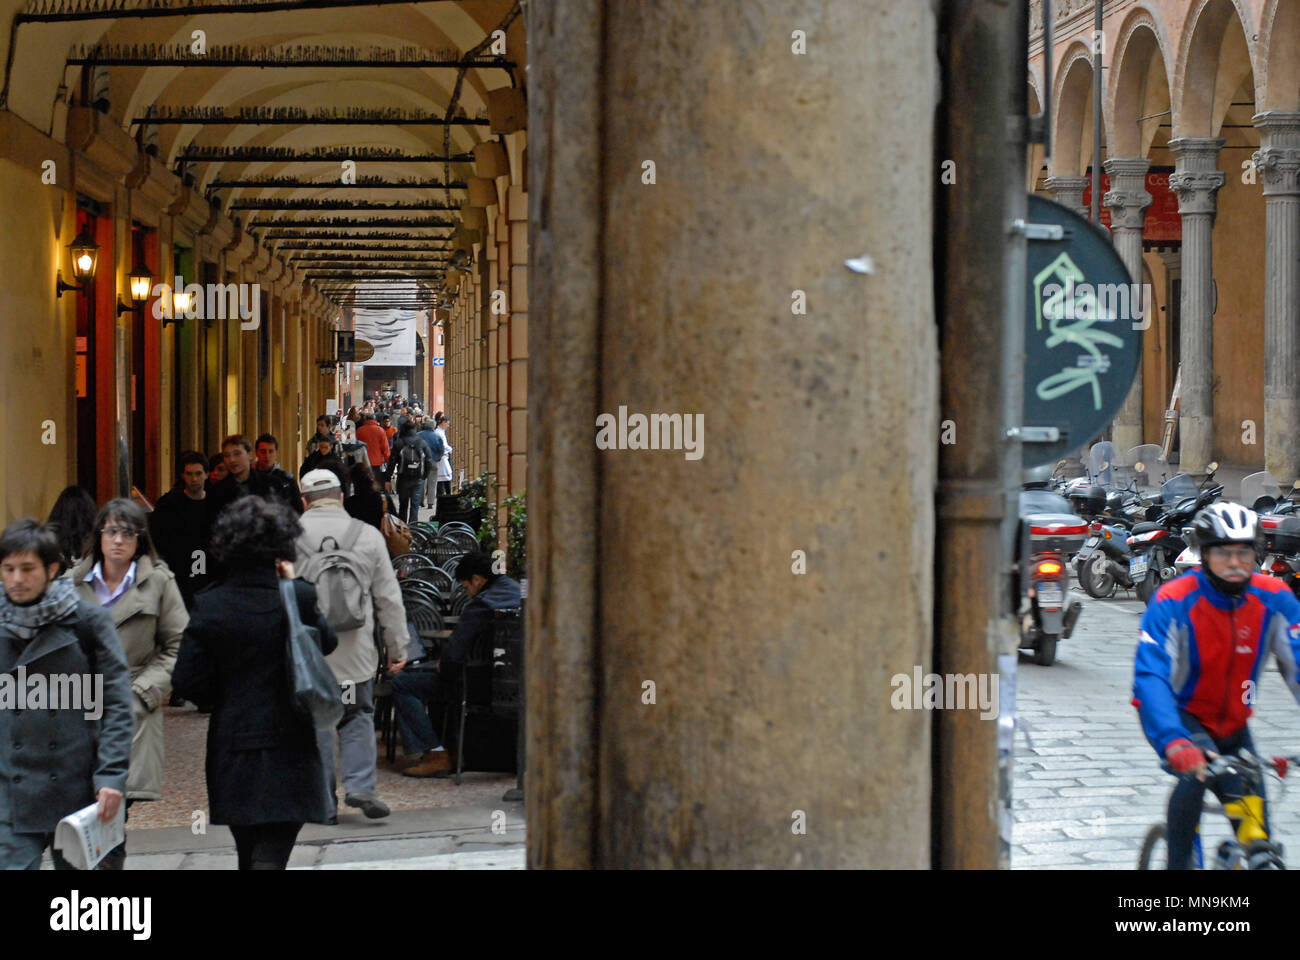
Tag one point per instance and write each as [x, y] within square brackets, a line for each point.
[56, 761]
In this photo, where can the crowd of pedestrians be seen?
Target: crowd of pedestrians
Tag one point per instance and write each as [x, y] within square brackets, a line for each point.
[182, 603]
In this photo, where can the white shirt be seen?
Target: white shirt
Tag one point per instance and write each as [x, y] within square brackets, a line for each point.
[105, 596]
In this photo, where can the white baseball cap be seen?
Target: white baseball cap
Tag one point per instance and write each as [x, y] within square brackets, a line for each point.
[315, 481]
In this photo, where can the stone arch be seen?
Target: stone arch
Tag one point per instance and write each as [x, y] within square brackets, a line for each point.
[1139, 84]
[1279, 37]
[1072, 112]
[1215, 56]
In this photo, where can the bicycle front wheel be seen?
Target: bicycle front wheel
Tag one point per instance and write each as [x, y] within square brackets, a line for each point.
[1155, 849]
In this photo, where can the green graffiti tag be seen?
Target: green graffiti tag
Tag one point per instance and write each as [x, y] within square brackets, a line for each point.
[1059, 302]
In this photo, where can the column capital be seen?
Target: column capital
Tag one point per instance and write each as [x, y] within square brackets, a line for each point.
[1128, 199]
[1197, 178]
[1068, 190]
[1278, 157]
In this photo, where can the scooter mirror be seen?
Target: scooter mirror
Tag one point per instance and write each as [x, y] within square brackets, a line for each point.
[1140, 467]
[1296, 485]
[1212, 466]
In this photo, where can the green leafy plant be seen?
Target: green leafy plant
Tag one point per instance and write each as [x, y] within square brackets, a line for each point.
[482, 494]
[516, 531]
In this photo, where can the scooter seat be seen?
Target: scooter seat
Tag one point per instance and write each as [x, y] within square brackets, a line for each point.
[1146, 527]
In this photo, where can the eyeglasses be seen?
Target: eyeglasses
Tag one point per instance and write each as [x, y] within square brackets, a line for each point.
[1244, 555]
[120, 533]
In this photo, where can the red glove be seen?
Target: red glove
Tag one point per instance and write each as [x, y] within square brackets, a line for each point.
[1184, 756]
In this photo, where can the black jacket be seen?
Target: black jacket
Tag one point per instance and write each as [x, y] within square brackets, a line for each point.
[263, 764]
[395, 473]
[272, 484]
[179, 526]
[502, 594]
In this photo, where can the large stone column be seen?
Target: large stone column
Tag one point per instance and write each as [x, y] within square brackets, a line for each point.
[1195, 181]
[713, 629]
[1278, 161]
[1127, 200]
[1069, 191]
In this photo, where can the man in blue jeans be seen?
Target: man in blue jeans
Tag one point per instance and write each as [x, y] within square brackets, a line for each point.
[412, 689]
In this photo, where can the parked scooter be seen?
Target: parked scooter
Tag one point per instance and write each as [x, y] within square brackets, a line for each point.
[1049, 534]
[1157, 544]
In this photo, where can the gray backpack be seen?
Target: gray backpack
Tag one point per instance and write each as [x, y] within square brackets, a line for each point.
[335, 570]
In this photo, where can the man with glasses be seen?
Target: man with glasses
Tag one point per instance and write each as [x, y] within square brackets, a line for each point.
[1204, 639]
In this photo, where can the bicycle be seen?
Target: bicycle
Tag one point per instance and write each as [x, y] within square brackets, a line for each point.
[1251, 848]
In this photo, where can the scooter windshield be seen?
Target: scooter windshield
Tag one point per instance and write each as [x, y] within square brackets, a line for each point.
[1148, 468]
[1178, 488]
[1256, 485]
[1102, 463]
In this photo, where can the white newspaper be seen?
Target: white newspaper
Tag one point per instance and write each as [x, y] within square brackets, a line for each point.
[84, 839]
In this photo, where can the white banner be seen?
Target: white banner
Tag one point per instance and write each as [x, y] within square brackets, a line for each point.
[392, 332]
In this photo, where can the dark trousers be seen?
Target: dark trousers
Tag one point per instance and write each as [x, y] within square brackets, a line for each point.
[409, 495]
[444, 488]
[1186, 801]
[265, 846]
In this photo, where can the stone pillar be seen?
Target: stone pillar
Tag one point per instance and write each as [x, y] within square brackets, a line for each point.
[1278, 162]
[706, 615]
[1127, 200]
[1195, 181]
[1069, 191]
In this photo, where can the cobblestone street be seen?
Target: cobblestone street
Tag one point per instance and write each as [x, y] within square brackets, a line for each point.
[1087, 784]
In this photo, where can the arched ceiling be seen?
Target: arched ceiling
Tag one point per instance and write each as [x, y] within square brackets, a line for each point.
[266, 44]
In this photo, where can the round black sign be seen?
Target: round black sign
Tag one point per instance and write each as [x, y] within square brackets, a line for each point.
[1083, 331]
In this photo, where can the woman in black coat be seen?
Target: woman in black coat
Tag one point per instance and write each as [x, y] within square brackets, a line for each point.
[366, 502]
[264, 771]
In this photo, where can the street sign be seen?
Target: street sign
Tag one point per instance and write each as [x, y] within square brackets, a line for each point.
[364, 351]
[1083, 332]
[345, 346]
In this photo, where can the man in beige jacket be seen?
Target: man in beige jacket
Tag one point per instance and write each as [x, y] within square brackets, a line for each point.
[328, 528]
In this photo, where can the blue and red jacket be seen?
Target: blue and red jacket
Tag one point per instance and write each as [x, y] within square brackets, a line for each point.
[1201, 651]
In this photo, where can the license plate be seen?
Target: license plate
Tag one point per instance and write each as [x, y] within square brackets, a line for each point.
[1137, 568]
[1050, 593]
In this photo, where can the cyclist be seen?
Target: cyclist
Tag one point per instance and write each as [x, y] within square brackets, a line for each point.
[1204, 636]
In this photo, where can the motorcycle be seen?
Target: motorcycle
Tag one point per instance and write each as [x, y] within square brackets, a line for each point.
[1049, 533]
[1279, 526]
[1156, 544]
[1104, 560]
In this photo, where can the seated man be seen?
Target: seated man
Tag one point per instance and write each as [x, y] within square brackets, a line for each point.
[412, 689]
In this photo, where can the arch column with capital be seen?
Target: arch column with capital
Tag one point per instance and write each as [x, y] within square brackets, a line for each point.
[1196, 181]
[1127, 200]
[1069, 191]
[1278, 163]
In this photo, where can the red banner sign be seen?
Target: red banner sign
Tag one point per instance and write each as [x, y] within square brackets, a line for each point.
[1163, 224]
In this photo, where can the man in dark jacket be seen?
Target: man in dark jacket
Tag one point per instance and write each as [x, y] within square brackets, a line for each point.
[242, 480]
[281, 483]
[182, 523]
[65, 742]
[488, 591]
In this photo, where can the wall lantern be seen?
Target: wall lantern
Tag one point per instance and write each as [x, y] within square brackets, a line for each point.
[85, 254]
[141, 283]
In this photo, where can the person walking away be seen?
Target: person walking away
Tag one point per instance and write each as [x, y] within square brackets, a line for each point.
[144, 603]
[181, 525]
[55, 637]
[408, 468]
[72, 518]
[366, 502]
[425, 755]
[377, 449]
[426, 431]
[444, 465]
[348, 561]
[263, 767]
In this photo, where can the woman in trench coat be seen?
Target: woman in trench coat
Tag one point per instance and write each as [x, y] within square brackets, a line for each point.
[121, 573]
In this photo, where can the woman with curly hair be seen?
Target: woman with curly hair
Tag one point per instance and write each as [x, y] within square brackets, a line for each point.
[264, 772]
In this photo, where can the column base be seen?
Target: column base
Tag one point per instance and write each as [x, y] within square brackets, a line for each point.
[1125, 436]
[1196, 446]
[1281, 439]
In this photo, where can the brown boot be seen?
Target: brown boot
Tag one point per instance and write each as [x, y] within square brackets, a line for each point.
[434, 763]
